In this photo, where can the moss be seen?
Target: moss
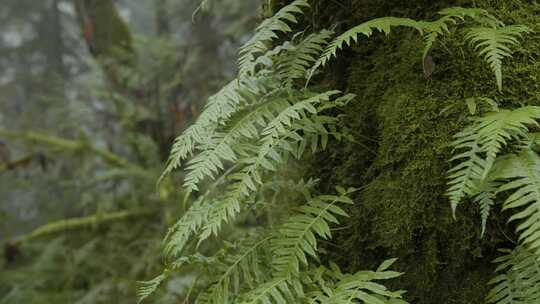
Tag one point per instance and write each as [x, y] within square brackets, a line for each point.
[403, 124]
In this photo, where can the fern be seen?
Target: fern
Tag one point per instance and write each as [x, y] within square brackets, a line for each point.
[366, 29]
[220, 146]
[274, 141]
[494, 44]
[297, 237]
[485, 198]
[523, 171]
[274, 291]
[340, 288]
[296, 63]
[268, 31]
[180, 233]
[220, 106]
[431, 30]
[259, 122]
[451, 16]
[518, 278]
[482, 142]
[296, 241]
[492, 39]
[149, 287]
[244, 267]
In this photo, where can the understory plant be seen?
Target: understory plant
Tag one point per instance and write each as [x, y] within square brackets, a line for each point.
[240, 161]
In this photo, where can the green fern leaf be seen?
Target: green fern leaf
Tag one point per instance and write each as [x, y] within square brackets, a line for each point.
[524, 172]
[275, 141]
[220, 106]
[487, 136]
[297, 237]
[494, 44]
[149, 287]
[518, 278]
[485, 198]
[276, 291]
[339, 288]
[366, 29]
[451, 16]
[268, 31]
[242, 269]
[180, 233]
[295, 63]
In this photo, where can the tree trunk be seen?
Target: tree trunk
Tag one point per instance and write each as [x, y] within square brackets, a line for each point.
[107, 36]
[403, 123]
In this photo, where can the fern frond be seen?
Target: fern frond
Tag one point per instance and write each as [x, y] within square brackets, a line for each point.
[275, 291]
[495, 43]
[485, 198]
[221, 146]
[523, 170]
[342, 288]
[189, 224]
[147, 288]
[451, 16]
[495, 129]
[267, 31]
[487, 136]
[297, 237]
[221, 105]
[242, 269]
[366, 29]
[275, 141]
[295, 63]
[518, 278]
[463, 177]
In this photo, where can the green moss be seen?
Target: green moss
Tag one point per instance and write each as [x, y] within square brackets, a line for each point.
[403, 124]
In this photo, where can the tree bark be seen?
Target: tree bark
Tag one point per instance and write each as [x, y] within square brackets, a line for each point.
[107, 36]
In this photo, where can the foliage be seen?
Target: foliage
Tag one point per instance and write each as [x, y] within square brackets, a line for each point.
[492, 40]
[251, 130]
[494, 45]
[517, 277]
[250, 229]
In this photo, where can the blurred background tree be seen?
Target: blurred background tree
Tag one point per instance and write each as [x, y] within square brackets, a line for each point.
[92, 93]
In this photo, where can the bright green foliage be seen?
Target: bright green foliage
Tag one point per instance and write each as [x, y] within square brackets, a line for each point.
[518, 278]
[293, 65]
[258, 125]
[248, 131]
[483, 174]
[296, 238]
[246, 266]
[268, 31]
[339, 288]
[492, 40]
[366, 29]
[481, 143]
[523, 172]
[494, 44]
[451, 16]
[148, 287]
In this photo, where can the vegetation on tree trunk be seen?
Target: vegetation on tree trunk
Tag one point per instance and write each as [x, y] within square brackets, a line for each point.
[403, 124]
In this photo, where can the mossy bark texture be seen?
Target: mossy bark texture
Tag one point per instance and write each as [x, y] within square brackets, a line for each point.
[403, 123]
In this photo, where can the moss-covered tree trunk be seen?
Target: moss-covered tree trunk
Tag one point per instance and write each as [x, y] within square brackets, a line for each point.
[402, 123]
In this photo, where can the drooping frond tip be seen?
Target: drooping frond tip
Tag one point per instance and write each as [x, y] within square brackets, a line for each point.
[496, 43]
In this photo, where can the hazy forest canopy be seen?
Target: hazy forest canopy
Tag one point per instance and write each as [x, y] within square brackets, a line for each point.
[277, 151]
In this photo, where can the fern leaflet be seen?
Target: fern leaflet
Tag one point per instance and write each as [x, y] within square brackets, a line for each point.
[268, 31]
[494, 44]
[518, 278]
